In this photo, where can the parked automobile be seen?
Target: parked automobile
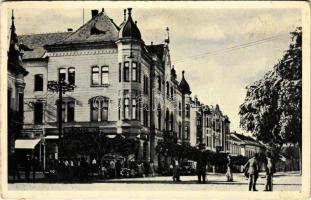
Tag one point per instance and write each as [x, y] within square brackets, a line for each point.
[187, 168]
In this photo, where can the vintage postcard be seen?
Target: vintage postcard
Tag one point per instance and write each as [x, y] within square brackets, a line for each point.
[155, 100]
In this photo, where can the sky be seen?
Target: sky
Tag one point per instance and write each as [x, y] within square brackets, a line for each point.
[221, 50]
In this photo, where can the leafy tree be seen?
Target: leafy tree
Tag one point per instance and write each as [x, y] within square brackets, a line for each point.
[272, 109]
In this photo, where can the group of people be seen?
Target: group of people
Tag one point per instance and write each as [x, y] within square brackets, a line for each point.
[28, 164]
[251, 170]
[200, 169]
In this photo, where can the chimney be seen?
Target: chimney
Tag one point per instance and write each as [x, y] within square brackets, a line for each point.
[103, 10]
[135, 22]
[124, 14]
[151, 43]
[69, 29]
[129, 11]
[94, 13]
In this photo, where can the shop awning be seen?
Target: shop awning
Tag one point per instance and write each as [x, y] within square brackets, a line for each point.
[51, 137]
[26, 144]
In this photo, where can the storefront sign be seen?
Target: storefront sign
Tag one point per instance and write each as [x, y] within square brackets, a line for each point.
[81, 130]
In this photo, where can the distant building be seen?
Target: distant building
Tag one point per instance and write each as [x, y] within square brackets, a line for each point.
[240, 144]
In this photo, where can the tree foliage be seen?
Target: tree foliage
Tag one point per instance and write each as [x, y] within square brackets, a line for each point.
[272, 107]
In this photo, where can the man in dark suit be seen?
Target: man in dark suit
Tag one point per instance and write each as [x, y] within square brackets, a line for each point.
[201, 170]
[270, 170]
[252, 168]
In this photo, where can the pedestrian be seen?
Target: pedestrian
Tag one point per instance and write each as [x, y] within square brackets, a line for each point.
[15, 167]
[270, 170]
[229, 174]
[252, 169]
[27, 167]
[176, 174]
[201, 170]
[152, 169]
[34, 167]
[112, 169]
[118, 168]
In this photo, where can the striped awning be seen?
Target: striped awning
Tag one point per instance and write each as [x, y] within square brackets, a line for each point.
[26, 143]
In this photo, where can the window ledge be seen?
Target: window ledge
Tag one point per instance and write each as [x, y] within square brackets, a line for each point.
[103, 85]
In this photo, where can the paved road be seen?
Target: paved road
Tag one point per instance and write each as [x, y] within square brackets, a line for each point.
[216, 182]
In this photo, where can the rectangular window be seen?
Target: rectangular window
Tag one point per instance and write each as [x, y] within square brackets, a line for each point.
[172, 92]
[120, 73]
[63, 111]
[145, 122]
[95, 75]
[188, 110]
[139, 73]
[38, 112]
[146, 84]
[186, 132]
[134, 109]
[159, 83]
[126, 71]
[179, 109]
[134, 71]
[62, 74]
[21, 106]
[71, 111]
[105, 75]
[38, 82]
[71, 76]
[167, 89]
[126, 108]
[119, 109]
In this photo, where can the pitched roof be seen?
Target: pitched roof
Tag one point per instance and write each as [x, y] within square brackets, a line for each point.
[158, 50]
[247, 139]
[99, 28]
[37, 41]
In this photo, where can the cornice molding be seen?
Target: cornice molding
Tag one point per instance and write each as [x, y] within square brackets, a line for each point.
[79, 53]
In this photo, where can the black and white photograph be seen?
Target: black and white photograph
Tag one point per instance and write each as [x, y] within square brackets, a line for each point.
[157, 97]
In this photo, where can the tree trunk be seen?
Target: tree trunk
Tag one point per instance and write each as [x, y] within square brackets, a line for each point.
[300, 159]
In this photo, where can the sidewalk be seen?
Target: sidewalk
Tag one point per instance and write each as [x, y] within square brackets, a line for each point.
[239, 178]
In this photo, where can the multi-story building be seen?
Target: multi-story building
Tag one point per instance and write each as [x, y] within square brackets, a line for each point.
[121, 86]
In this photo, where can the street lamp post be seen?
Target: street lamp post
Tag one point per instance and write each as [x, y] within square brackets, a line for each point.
[61, 87]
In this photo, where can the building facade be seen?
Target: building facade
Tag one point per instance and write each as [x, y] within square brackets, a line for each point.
[121, 86]
[244, 145]
[16, 86]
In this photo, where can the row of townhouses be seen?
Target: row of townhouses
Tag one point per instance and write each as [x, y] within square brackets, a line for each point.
[121, 86]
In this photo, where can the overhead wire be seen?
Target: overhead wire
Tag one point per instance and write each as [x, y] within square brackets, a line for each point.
[233, 48]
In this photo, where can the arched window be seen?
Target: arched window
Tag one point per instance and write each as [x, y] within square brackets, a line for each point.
[99, 108]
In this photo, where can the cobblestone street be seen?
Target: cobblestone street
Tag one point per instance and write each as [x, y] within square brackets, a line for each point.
[216, 182]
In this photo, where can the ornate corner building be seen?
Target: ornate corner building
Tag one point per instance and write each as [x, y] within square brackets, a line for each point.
[121, 86]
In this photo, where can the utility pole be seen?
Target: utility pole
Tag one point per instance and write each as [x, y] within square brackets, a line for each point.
[61, 87]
